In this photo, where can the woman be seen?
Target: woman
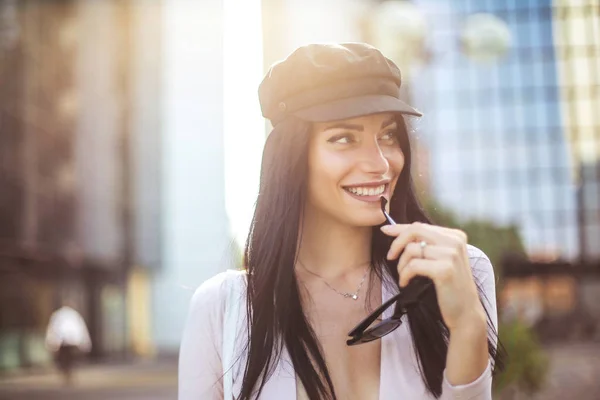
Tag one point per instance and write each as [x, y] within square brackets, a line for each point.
[319, 258]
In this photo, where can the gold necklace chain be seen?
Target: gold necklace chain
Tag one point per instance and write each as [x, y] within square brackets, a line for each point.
[353, 296]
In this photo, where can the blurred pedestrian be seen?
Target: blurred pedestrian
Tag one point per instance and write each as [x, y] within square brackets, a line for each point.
[67, 337]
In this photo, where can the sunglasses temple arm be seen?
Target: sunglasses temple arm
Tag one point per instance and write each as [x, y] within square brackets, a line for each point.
[389, 218]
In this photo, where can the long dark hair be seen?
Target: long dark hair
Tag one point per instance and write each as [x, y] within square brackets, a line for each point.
[274, 311]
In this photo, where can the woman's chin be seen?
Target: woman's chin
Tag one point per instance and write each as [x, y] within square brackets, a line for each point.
[368, 220]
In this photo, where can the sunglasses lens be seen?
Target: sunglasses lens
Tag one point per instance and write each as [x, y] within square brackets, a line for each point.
[384, 328]
[380, 330]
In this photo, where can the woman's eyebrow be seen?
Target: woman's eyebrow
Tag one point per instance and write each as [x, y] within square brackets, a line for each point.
[344, 125]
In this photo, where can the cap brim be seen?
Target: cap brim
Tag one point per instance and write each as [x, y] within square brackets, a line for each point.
[355, 107]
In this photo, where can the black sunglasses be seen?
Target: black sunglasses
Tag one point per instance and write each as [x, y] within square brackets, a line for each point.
[364, 332]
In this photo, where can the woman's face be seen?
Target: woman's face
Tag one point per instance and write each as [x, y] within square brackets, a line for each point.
[351, 164]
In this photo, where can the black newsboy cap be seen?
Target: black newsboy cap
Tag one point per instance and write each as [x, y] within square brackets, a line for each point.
[328, 82]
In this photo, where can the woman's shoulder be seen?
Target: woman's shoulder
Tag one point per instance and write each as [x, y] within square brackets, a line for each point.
[476, 253]
[218, 285]
[480, 263]
[220, 281]
[211, 295]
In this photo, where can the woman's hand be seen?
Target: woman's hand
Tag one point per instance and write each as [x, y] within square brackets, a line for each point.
[446, 263]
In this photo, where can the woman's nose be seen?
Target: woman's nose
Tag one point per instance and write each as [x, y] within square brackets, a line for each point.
[373, 159]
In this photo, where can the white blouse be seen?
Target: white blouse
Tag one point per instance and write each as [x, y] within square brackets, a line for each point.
[201, 369]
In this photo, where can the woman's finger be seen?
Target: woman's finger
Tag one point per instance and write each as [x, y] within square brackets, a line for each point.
[435, 270]
[394, 230]
[430, 252]
[412, 233]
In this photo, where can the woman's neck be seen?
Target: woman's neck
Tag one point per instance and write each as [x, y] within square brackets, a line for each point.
[332, 249]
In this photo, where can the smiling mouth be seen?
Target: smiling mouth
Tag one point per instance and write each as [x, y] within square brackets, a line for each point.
[366, 191]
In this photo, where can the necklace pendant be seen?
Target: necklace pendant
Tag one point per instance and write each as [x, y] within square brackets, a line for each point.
[354, 297]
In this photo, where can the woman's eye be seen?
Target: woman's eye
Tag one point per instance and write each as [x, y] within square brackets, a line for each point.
[342, 139]
[389, 136]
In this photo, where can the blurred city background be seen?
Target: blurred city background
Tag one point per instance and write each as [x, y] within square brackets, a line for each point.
[130, 145]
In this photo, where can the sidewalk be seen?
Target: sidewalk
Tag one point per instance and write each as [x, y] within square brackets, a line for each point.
[139, 373]
[574, 373]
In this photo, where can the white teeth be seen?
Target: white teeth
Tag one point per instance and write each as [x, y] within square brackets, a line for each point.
[367, 191]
